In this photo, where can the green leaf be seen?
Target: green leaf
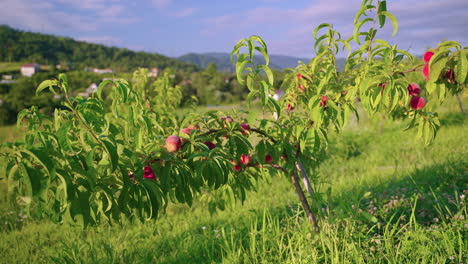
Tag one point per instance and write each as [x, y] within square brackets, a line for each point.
[21, 116]
[357, 29]
[239, 70]
[392, 19]
[268, 73]
[436, 69]
[462, 67]
[265, 54]
[112, 151]
[275, 105]
[101, 87]
[46, 84]
[320, 27]
[382, 8]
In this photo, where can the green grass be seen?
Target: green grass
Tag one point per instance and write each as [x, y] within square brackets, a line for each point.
[10, 66]
[385, 198]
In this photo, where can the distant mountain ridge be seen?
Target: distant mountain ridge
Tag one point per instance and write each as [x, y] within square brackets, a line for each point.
[221, 59]
[223, 63]
[22, 46]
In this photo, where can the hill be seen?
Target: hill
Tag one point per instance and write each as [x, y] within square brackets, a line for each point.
[20, 46]
[223, 63]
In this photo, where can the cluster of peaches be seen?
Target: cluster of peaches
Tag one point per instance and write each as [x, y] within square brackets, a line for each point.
[173, 143]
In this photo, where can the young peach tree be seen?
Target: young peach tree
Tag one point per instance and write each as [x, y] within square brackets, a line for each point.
[124, 153]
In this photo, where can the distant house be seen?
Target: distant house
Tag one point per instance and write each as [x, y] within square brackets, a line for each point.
[92, 88]
[29, 69]
[278, 94]
[154, 72]
[96, 70]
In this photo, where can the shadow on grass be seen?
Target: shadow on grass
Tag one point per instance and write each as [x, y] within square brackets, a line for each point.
[453, 119]
[434, 190]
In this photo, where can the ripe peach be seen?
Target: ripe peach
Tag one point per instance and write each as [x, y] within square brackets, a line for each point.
[173, 143]
[323, 101]
[227, 119]
[425, 72]
[427, 56]
[237, 168]
[417, 102]
[245, 159]
[289, 108]
[148, 173]
[299, 76]
[268, 159]
[450, 76]
[209, 144]
[189, 128]
[413, 89]
[301, 88]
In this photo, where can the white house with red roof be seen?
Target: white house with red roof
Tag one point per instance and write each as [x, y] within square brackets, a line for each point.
[29, 69]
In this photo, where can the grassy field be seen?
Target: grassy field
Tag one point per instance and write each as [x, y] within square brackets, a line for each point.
[387, 198]
[10, 66]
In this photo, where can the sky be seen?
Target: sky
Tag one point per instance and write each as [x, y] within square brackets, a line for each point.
[176, 27]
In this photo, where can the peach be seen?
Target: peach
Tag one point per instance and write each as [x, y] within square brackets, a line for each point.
[173, 143]
[245, 159]
[268, 159]
[450, 76]
[413, 89]
[417, 102]
[427, 56]
[301, 88]
[425, 72]
[323, 101]
[209, 144]
[148, 173]
[237, 168]
[188, 129]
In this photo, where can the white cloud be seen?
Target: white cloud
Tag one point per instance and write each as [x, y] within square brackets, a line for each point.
[289, 30]
[40, 16]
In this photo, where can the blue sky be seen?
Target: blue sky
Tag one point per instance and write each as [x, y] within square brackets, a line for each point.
[177, 27]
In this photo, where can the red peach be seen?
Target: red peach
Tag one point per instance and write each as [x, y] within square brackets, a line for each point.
[237, 168]
[450, 75]
[425, 72]
[413, 89]
[299, 76]
[209, 144]
[148, 173]
[173, 143]
[189, 128]
[427, 56]
[301, 88]
[417, 102]
[323, 101]
[245, 159]
[289, 108]
[227, 119]
[382, 85]
[268, 159]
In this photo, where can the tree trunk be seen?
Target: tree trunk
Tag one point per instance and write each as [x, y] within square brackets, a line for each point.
[305, 179]
[305, 204]
[460, 103]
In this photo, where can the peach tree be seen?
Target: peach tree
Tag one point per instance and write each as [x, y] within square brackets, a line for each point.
[123, 152]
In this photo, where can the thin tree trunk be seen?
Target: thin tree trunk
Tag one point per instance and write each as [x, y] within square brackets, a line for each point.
[460, 103]
[305, 179]
[305, 204]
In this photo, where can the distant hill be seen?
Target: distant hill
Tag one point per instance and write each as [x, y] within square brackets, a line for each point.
[20, 46]
[222, 62]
